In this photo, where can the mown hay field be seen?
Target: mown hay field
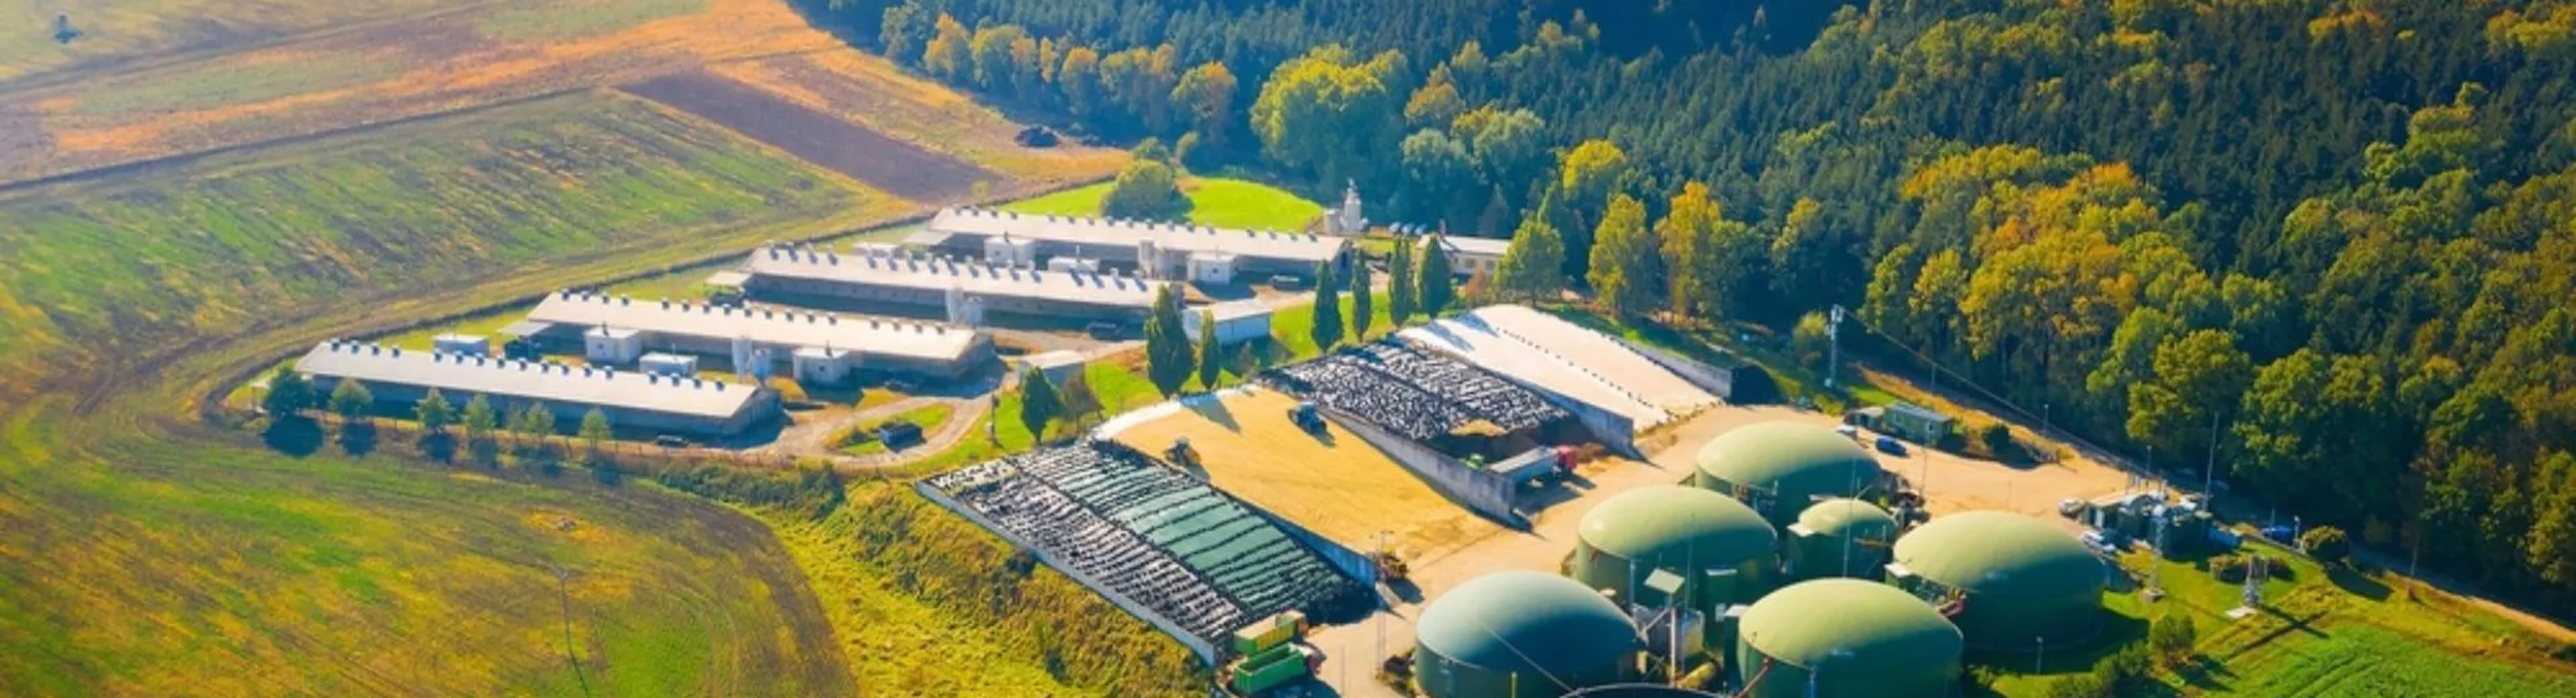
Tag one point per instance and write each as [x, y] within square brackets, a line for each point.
[417, 59]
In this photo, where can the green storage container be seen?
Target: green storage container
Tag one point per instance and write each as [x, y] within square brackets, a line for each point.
[1272, 669]
[1262, 637]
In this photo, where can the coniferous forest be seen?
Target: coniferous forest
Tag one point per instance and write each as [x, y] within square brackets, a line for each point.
[2337, 238]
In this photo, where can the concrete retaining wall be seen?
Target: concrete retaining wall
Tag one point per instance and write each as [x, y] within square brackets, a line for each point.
[1718, 382]
[1480, 491]
[1205, 651]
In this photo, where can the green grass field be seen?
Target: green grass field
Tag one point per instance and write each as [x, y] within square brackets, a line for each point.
[1216, 201]
[137, 28]
[211, 245]
[574, 18]
[2336, 632]
[153, 554]
[860, 440]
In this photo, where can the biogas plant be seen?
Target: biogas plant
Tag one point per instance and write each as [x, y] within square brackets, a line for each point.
[1787, 567]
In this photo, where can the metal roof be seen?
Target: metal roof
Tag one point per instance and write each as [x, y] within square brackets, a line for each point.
[1993, 553]
[1670, 525]
[935, 274]
[1168, 237]
[1798, 459]
[879, 336]
[460, 376]
[1850, 627]
[1845, 517]
[1524, 622]
[1483, 247]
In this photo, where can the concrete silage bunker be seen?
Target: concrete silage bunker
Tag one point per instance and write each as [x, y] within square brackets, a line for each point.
[1847, 638]
[1841, 537]
[1722, 551]
[1520, 634]
[2019, 581]
[1780, 468]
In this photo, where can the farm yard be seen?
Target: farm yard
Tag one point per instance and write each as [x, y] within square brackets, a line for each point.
[901, 168]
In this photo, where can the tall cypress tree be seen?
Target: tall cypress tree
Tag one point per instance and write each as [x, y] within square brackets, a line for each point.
[1039, 402]
[1399, 282]
[1437, 290]
[1363, 302]
[1211, 362]
[1167, 345]
[1328, 309]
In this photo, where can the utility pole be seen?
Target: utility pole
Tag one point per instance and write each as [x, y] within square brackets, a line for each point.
[1834, 338]
[2209, 476]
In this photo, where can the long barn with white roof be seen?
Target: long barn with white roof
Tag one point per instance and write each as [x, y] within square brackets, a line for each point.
[963, 291]
[813, 345]
[1177, 251]
[633, 400]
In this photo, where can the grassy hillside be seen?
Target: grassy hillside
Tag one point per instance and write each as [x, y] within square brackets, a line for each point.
[152, 555]
[117, 269]
[1217, 201]
[942, 608]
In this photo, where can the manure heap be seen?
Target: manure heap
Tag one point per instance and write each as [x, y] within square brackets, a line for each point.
[1416, 394]
[1147, 534]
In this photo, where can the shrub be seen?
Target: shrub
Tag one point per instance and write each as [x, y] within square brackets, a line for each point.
[2231, 568]
[1996, 438]
[2078, 686]
[2326, 543]
[2172, 637]
[2123, 670]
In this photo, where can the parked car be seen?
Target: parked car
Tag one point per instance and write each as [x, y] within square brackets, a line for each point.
[1848, 432]
[1890, 446]
[669, 441]
[2069, 507]
[1103, 330]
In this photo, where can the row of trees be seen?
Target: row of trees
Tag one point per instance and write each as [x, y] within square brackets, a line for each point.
[2322, 245]
[1417, 287]
[289, 394]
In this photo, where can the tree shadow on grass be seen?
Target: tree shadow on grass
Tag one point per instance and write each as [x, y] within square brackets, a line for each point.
[2204, 674]
[357, 438]
[293, 436]
[2354, 582]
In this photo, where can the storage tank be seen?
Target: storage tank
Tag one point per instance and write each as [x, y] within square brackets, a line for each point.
[1779, 468]
[1520, 634]
[2020, 580]
[1847, 638]
[1841, 537]
[1721, 550]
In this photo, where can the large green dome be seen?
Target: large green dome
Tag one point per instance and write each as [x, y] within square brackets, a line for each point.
[1519, 622]
[2001, 554]
[1674, 524]
[1783, 466]
[1857, 638]
[1849, 518]
[2023, 579]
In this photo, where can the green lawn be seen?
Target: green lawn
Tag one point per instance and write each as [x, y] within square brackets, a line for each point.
[861, 439]
[1216, 201]
[2328, 633]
